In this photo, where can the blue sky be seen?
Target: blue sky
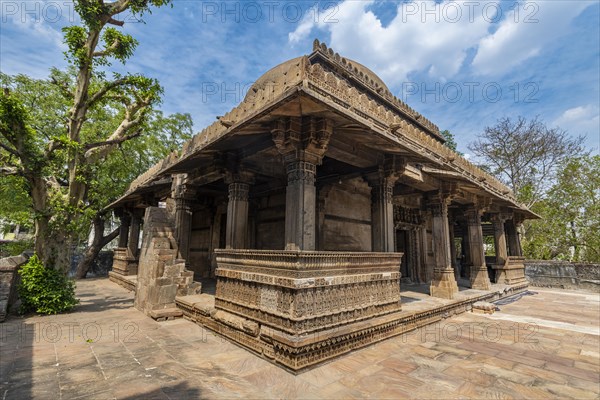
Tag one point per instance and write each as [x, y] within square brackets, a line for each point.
[463, 64]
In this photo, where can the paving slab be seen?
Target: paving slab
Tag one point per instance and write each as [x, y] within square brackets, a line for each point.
[544, 345]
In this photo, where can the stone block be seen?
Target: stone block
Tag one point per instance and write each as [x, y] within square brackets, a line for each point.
[166, 314]
[172, 271]
[164, 281]
[167, 294]
[483, 307]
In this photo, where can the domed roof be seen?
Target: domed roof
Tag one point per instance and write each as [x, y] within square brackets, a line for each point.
[274, 73]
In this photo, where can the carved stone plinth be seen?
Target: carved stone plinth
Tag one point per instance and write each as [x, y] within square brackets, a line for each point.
[299, 293]
[511, 273]
[123, 262]
[443, 284]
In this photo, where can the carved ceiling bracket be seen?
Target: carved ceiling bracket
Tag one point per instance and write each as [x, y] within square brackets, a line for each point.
[302, 138]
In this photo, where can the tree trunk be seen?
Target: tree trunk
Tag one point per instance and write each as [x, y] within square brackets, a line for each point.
[98, 242]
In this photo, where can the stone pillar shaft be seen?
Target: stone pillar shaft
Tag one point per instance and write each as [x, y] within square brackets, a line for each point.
[453, 251]
[134, 235]
[467, 251]
[500, 241]
[183, 226]
[300, 206]
[237, 216]
[479, 275]
[514, 245]
[124, 230]
[444, 283]
[382, 216]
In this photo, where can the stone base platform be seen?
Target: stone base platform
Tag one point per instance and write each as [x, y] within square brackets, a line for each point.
[298, 353]
[127, 281]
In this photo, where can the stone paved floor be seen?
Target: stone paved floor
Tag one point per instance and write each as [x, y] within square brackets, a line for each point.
[542, 346]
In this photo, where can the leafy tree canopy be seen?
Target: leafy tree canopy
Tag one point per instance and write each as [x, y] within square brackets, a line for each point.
[57, 136]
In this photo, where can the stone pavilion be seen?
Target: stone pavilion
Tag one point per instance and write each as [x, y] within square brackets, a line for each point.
[293, 222]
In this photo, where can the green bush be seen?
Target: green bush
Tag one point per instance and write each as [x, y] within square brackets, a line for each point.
[15, 248]
[45, 290]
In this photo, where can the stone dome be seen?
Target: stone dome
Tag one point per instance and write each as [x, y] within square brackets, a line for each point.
[274, 73]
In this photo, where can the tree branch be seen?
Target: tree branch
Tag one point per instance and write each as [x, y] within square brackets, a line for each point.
[100, 93]
[10, 150]
[9, 171]
[64, 88]
[107, 50]
[110, 237]
[115, 141]
[113, 21]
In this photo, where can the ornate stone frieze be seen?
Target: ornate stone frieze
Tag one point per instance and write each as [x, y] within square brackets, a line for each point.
[303, 291]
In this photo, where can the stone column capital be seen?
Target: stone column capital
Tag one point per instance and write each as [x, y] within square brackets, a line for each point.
[438, 203]
[302, 138]
[473, 215]
[498, 219]
[239, 191]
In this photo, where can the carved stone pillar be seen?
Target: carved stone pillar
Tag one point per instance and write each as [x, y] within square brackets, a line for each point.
[443, 284]
[183, 223]
[237, 215]
[302, 142]
[512, 236]
[134, 235]
[453, 261]
[479, 275]
[466, 272]
[382, 214]
[425, 275]
[300, 206]
[500, 240]
[124, 229]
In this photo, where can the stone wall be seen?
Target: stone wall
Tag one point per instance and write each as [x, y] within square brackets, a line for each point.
[9, 279]
[347, 216]
[563, 274]
[270, 222]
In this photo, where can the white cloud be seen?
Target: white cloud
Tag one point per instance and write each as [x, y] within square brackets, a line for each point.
[435, 37]
[523, 33]
[305, 26]
[423, 36]
[582, 120]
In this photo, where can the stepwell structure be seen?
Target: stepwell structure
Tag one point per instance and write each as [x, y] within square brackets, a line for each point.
[310, 203]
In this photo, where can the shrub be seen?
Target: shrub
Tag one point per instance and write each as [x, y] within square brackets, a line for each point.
[45, 290]
[14, 248]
